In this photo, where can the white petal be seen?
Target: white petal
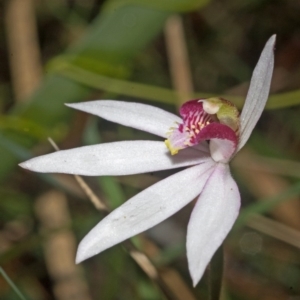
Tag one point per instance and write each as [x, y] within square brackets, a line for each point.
[118, 158]
[213, 216]
[140, 116]
[145, 210]
[221, 150]
[258, 91]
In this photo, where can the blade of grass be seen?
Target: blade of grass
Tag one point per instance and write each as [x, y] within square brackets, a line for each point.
[166, 5]
[12, 285]
[124, 87]
[266, 205]
[159, 94]
[284, 100]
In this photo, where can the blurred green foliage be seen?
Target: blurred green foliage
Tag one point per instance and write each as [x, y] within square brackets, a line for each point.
[121, 54]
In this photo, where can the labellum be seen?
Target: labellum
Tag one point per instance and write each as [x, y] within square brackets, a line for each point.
[214, 119]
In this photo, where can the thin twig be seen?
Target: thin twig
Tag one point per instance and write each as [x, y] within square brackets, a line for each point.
[53, 144]
[99, 205]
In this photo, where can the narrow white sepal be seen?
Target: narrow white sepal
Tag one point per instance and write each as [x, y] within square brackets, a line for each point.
[212, 218]
[258, 92]
[117, 158]
[140, 116]
[143, 211]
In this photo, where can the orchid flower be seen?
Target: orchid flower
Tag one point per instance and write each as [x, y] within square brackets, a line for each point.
[205, 138]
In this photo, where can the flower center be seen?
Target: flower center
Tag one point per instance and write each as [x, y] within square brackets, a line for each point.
[204, 119]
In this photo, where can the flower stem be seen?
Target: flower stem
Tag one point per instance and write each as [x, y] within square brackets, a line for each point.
[216, 274]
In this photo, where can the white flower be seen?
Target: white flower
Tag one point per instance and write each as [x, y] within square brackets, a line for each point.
[207, 176]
